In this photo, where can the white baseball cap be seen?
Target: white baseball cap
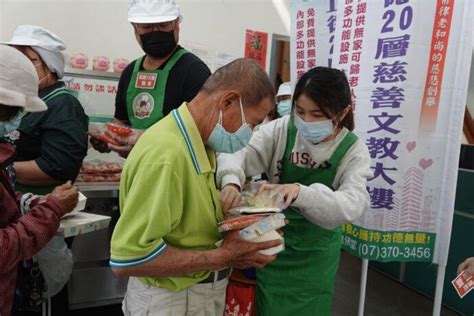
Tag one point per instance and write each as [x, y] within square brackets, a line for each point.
[18, 81]
[152, 11]
[284, 89]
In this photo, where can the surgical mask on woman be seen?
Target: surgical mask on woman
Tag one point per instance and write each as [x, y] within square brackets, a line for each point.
[6, 127]
[284, 107]
[225, 142]
[314, 132]
[44, 77]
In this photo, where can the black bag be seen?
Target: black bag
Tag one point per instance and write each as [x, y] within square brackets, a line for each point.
[31, 288]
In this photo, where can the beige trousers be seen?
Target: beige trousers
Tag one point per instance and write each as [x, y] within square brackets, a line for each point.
[207, 299]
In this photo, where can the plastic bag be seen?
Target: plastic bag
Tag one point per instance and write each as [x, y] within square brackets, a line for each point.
[55, 262]
[99, 132]
[240, 299]
[266, 199]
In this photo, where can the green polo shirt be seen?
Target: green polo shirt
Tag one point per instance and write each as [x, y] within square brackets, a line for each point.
[168, 196]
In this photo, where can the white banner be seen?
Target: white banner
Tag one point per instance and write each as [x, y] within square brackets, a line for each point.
[407, 62]
[313, 27]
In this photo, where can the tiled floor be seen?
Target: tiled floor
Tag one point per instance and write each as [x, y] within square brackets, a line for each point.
[385, 297]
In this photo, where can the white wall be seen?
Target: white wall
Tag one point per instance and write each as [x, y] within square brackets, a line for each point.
[101, 27]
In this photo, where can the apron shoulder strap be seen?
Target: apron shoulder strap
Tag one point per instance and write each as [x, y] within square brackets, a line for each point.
[343, 147]
[136, 66]
[174, 59]
[290, 138]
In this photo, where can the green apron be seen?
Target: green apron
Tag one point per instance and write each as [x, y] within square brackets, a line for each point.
[301, 280]
[146, 93]
[42, 190]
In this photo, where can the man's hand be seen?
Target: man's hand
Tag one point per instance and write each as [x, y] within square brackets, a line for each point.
[467, 265]
[230, 197]
[239, 253]
[288, 191]
[99, 145]
[125, 143]
[67, 194]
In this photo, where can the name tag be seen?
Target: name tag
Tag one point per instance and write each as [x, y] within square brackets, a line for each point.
[146, 80]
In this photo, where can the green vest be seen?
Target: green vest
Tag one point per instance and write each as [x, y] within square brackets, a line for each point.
[146, 93]
[301, 280]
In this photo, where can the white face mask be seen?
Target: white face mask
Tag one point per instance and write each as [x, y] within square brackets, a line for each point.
[314, 132]
[44, 77]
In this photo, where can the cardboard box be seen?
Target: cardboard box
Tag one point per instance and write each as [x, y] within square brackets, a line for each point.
[82, 223]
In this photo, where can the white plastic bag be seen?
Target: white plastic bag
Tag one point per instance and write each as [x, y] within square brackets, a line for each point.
[55, 262]
[266, 199]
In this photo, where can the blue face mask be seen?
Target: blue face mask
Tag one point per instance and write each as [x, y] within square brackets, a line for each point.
[314, 132]
[224, 142]
[9, 126]
[284, 107]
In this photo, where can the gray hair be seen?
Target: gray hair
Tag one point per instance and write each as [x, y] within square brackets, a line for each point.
[244, 76]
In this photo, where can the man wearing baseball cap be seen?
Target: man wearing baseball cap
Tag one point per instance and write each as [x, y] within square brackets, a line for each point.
[167, 75]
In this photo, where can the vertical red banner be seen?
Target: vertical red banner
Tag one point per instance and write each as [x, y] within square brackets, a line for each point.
[434, 77]
[256, 44]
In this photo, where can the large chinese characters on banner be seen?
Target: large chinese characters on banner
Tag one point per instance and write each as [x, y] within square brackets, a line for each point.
[313, 30]
[407, 63]
[401, 60]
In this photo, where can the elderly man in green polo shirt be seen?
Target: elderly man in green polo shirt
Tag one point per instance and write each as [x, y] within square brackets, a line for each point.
[165, 238]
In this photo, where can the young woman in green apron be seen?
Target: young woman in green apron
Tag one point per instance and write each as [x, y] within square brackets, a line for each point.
[321, 169]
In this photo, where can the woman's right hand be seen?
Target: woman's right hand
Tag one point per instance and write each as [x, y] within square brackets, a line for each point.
[68, 195]
[230, 197]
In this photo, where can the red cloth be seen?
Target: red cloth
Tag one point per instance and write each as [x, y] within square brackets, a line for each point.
[21, 237]
[240, 299]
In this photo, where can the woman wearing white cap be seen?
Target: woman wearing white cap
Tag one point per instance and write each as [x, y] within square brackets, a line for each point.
[21, 237]
[53, 143]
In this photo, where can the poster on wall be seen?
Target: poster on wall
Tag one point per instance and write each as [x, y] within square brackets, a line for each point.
[407, 63]
[313, 27]
[256, 47]
[97, 95]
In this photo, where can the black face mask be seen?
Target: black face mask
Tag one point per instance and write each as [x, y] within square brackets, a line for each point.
[158, 44]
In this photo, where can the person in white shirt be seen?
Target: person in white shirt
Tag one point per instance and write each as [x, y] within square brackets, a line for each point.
[321, 168]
